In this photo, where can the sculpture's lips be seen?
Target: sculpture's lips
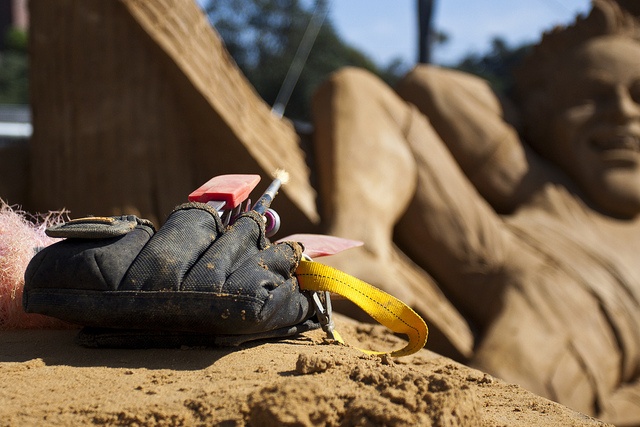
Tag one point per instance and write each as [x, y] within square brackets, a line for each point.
[616, 142]
[619, 147]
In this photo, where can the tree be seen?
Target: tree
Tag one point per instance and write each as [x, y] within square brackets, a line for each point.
[14, 70]
[497, 65]
[263, 37]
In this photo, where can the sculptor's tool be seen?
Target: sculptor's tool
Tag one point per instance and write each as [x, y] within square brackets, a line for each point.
[272, 218]
[227, 193]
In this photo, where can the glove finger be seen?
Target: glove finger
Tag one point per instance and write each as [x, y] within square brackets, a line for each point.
[268, 277]
[242, 241]
[282, 258]
[174, 249]
[266, 271]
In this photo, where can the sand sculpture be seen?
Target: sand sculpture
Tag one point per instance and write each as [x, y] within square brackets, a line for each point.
[537, 248]
[532, 252]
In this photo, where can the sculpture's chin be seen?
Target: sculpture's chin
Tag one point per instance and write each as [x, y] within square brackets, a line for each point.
[617, 191]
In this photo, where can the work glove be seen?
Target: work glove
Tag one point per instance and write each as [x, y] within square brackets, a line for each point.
[192, 282]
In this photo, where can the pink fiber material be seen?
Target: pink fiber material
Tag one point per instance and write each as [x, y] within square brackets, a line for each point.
[20, 235]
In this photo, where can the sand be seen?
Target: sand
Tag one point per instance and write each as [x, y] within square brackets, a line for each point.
[48, 379]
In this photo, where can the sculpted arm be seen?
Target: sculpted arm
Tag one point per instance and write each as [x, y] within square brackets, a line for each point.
[382, 165]
[480, 129]
[450, 230]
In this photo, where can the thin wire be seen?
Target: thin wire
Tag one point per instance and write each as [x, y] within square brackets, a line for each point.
[295, 69]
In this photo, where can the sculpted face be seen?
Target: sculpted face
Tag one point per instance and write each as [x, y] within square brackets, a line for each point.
[595, 133]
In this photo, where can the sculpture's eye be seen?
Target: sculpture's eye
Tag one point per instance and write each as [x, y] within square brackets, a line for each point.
[599, 91]
[634, 91]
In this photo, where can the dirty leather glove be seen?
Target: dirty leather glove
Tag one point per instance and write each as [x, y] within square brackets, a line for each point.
[192, 278]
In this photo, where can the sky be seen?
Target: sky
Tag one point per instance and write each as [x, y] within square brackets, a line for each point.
[387, 29]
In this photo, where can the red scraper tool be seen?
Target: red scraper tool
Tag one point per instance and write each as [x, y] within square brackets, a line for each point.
[225, 193]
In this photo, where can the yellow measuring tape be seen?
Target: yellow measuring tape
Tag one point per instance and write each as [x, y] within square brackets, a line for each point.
[384, 308]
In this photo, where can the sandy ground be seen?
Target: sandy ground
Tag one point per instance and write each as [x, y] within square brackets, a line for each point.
[48, 380]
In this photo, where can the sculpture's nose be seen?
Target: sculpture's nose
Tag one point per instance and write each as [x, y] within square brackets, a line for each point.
[625, 106]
